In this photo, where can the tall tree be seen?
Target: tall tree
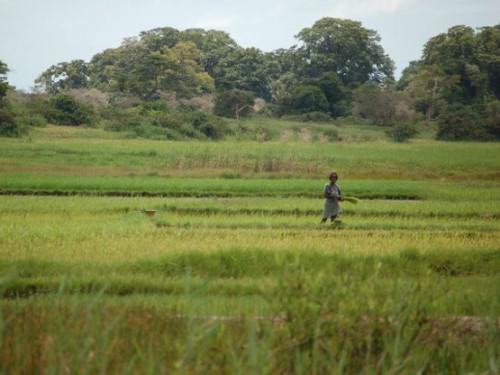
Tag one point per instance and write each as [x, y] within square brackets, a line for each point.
[455, 53]
[159, 38]
[488, 56]
[3, 80]
[214, 46]
[430, 87]
[346, 48]
[63, 76]
[247, 69]
[136, 69]
[8, 124]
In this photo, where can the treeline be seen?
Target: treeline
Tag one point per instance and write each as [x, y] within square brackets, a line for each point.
[173, 84]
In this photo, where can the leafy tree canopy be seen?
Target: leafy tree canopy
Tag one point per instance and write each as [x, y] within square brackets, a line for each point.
[346, 48]
[472, 56]
[3, 80]
[247, 69]
[63, 76]
[234, 103]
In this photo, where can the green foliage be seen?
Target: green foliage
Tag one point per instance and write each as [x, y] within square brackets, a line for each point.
[456, 53]
[473, 122]
[248, 70]
[335, 93]
[460, 122]
[402, 132]
[215, 45]
[64, 76]
[154, 120]
[64, 110]
[27, 119]
[136, 68]
[488, 56]
[211, 126]
[383, 107]
[430, 87]
[346, 48]
[492, 118]
[8, 125]
[309, 98]
[234, 103]
[459, 69]
[4, 86]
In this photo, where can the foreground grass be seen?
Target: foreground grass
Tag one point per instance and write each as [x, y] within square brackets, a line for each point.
[306, 323]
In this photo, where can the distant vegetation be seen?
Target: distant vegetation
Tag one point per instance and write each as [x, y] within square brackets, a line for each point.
[172, 84]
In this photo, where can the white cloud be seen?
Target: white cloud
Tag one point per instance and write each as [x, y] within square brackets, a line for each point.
[345, 8]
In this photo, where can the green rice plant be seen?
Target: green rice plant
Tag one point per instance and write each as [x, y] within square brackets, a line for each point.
[236, 274]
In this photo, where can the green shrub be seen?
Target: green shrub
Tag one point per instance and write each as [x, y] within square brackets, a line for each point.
[382, 106]
[402, 132]
[154, 120]
[8, 125]
[27, 120]
[460, 122]
[64, 110]
[309, 98]
[492, 118]
[234, 103]
[270, 110]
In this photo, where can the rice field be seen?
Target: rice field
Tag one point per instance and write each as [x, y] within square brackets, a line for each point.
[234, 273]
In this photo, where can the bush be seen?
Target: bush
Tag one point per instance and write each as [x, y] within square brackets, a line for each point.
[309, 98]
[460, 122]
[27, 120]
[211, 126]
[8, 125]
[154, 120]
[64, 110]
[402, 132]
[334, 92]
[270, 110]
[234, 103]
[383, 107]
[492, 118]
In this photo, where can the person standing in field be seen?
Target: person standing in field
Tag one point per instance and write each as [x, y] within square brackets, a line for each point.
[333, 196]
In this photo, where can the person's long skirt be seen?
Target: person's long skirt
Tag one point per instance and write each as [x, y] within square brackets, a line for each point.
[331, 208]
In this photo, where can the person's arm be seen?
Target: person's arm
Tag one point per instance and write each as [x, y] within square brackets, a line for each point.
[327, 192]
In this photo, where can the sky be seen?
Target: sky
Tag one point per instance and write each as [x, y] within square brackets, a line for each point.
[35, 34]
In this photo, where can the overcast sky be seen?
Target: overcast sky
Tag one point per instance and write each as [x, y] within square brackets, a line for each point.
[35, 34]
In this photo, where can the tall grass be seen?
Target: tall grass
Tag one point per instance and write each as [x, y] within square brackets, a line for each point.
[318, 325]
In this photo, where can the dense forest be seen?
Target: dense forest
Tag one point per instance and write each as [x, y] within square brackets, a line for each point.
[172, 84]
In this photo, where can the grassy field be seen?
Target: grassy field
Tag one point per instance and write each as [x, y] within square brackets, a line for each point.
[234, 273]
